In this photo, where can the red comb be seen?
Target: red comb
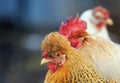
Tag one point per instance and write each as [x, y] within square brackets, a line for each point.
[72, 25]
[73, 29]
[101, 9]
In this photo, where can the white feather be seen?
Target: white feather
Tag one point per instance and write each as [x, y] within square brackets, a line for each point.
[104, 55]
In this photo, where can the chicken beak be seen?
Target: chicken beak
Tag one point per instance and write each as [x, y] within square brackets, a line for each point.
[109, 21]
[43, 61]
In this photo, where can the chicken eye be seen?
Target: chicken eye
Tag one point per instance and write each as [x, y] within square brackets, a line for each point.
[52, 54]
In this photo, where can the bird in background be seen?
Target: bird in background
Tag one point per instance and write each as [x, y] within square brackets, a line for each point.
[66, 64]
[102, 53]
[97, 20]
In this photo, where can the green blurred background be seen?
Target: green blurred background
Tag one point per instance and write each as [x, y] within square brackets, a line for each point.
[23, 25]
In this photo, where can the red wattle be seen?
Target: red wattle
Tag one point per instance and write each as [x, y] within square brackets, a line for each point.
[100, 25]
[52, 67]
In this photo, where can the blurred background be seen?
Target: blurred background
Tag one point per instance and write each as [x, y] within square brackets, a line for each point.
[24, 23]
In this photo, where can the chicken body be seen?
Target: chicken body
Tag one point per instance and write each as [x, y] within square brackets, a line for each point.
[76, 69]
[104, 55]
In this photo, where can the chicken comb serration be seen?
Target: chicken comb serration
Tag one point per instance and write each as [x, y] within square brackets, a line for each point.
[72, 25]
[103, 10]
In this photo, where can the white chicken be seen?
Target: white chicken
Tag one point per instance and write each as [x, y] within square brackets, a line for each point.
[97, 20]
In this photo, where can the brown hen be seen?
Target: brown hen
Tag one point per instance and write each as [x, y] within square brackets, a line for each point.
[66, 64]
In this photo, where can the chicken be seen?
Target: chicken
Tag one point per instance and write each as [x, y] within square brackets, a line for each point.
[66, 64]
[103, 53]
[97, 20]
